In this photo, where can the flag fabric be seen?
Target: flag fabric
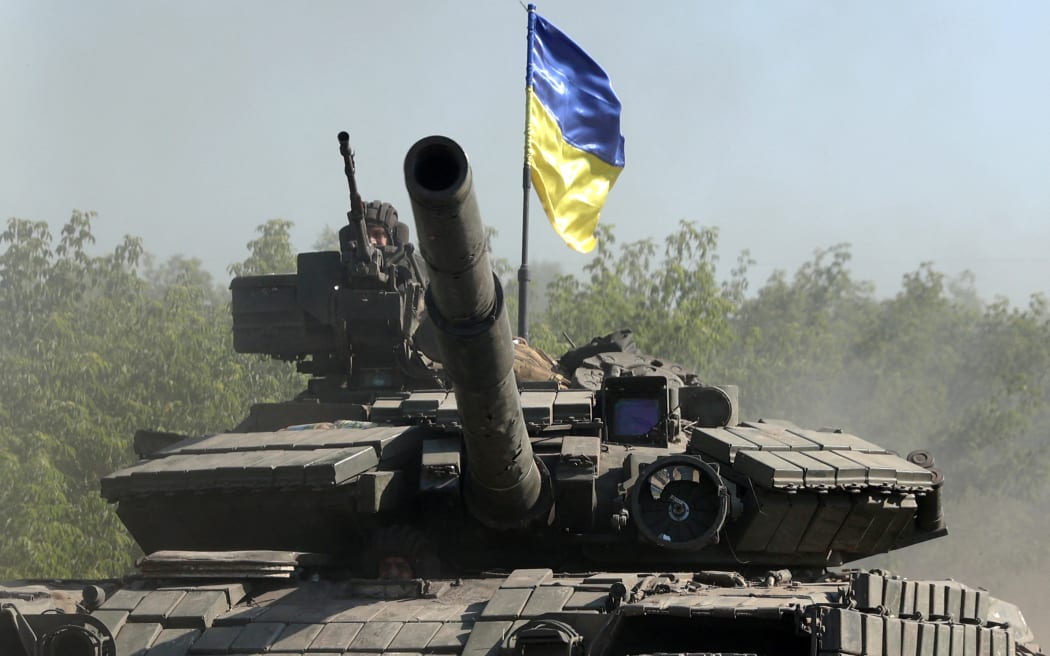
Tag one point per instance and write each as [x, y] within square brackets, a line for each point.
[575, 148]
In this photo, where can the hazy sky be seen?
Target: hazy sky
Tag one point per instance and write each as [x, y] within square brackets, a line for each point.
[913, 130]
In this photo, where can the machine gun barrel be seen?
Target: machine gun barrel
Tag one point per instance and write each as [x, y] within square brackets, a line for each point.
[363, 252]
[505, 488]
[357, 206]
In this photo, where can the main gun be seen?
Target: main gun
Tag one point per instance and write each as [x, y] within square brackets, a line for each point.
[507, 488]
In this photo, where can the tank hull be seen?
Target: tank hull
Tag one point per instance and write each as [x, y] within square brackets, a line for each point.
[610, 612]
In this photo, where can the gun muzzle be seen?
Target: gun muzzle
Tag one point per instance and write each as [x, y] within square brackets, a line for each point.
[505, 487]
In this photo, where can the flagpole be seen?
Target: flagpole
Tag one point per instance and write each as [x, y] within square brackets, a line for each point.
[526, 186]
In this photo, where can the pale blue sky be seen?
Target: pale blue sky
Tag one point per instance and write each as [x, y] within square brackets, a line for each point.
[913, 130]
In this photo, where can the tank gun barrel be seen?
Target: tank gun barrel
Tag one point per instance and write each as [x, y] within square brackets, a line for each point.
[505, 488]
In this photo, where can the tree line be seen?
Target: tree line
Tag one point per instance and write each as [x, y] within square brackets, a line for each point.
[93, 347]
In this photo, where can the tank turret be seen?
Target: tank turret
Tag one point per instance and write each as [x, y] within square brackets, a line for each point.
[465, 303]
[635, 461]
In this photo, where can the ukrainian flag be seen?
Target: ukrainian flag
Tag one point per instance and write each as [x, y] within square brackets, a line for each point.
[575, 149]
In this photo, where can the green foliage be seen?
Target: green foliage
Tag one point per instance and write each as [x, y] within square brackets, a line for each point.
[669, 296]
[327, 239]
[93, 350]
[270, 252]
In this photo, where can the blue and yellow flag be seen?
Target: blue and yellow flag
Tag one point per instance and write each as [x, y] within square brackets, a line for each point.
[575, 148]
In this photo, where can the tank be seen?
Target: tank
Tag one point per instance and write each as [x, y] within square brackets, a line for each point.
[419, 497]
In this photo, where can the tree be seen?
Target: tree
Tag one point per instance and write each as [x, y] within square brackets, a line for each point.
[91, 351]
[794, 337]
[270, 252]
[327, 239]
[673, 301]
